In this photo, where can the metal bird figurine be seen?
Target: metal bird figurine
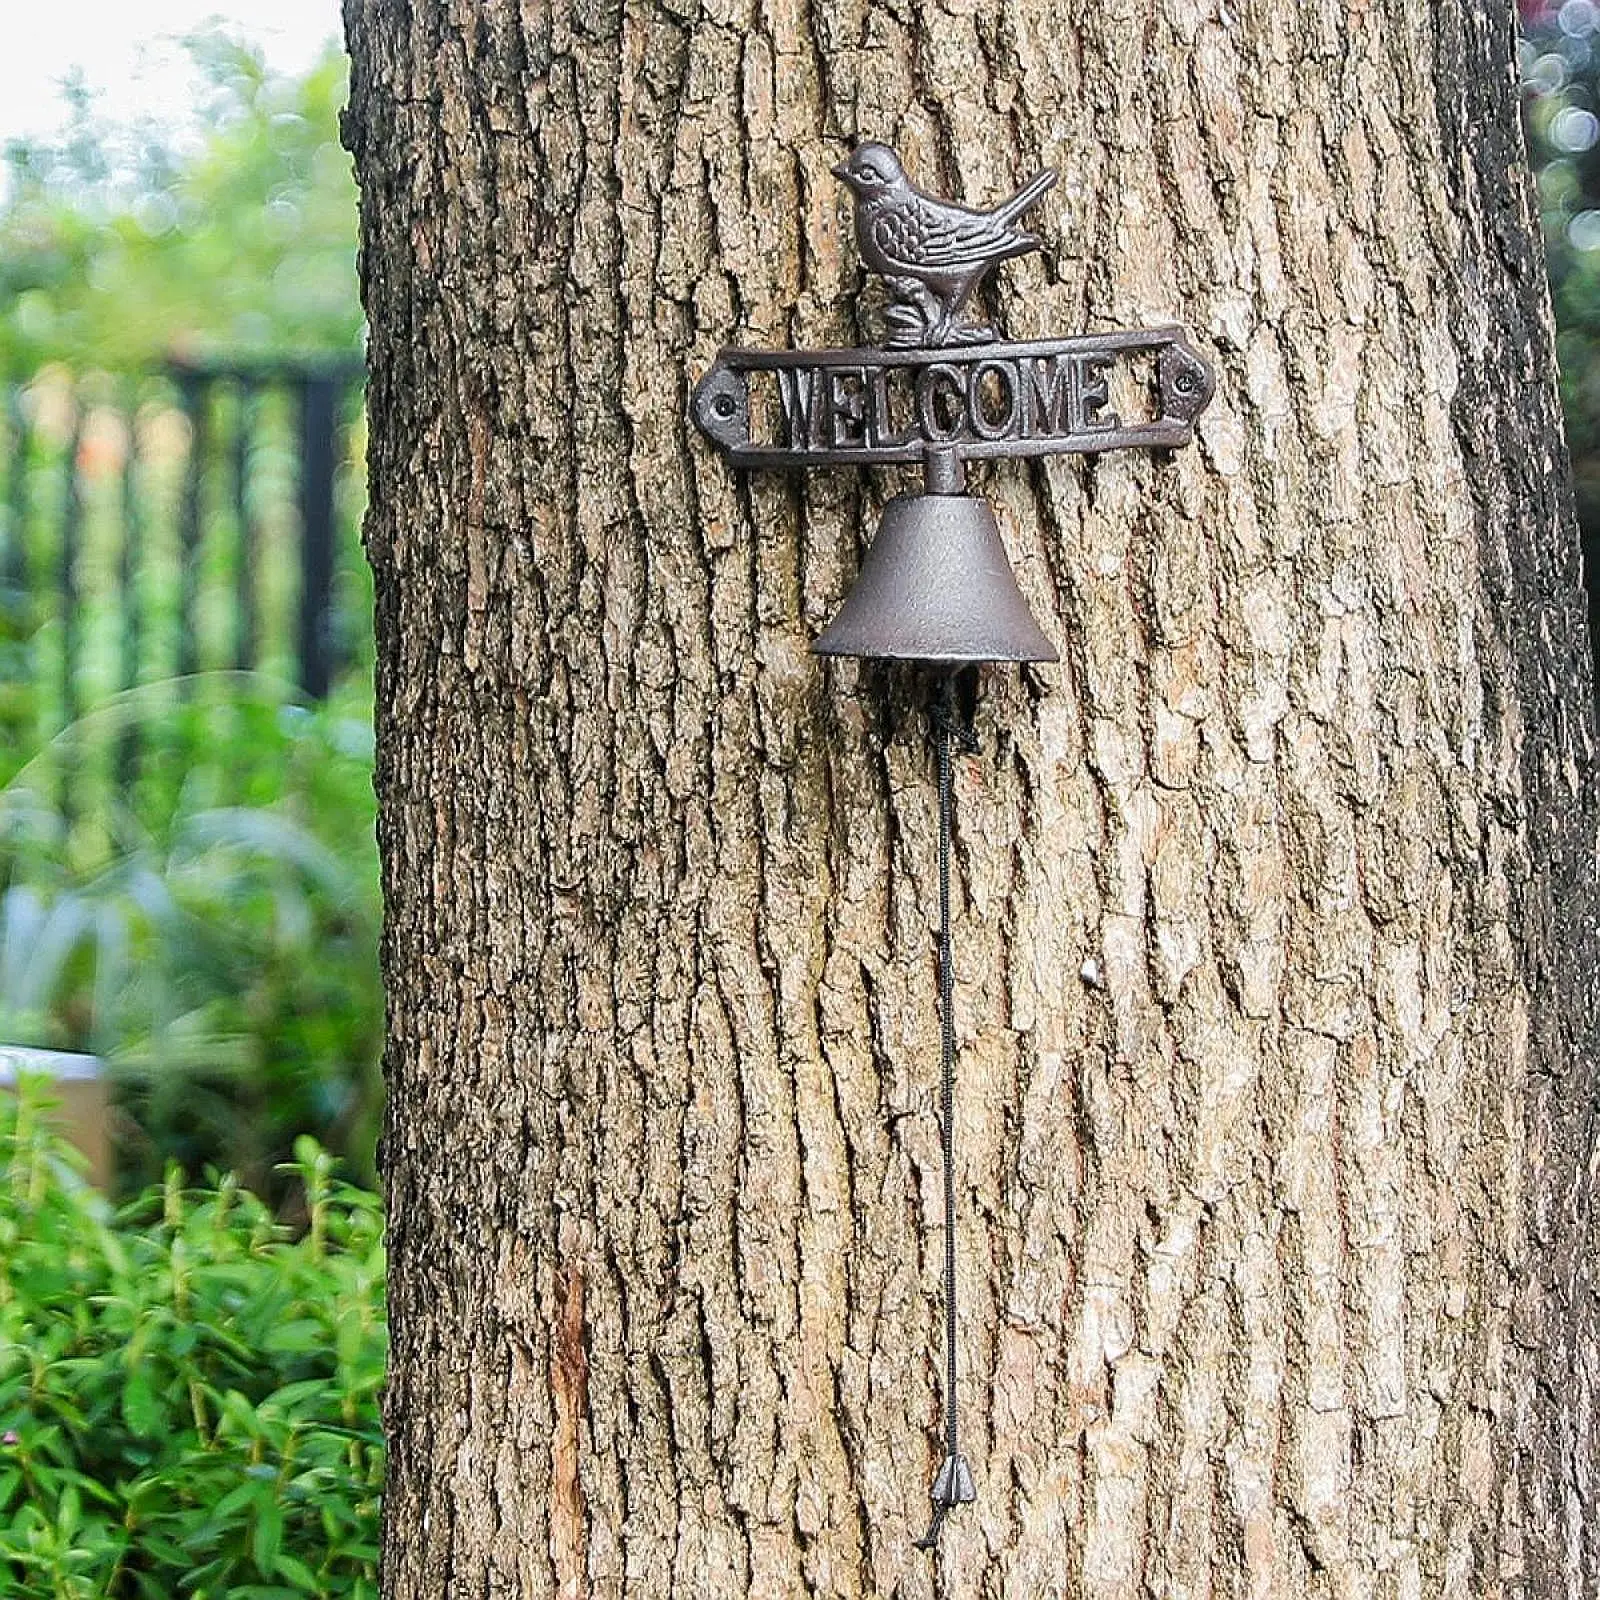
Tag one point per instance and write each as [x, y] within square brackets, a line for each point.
[931, 253]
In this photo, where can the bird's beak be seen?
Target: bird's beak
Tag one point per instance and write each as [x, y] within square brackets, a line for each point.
[842, 170]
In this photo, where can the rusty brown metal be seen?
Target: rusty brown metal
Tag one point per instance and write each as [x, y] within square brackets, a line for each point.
[935, 586]
[931, 253]
[942, 391]
[879, 407]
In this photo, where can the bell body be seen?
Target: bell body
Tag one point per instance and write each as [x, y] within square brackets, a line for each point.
[935, 585]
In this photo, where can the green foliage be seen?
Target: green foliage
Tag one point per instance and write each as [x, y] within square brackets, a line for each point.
[212, 930]
[116, 250]
[188, 1394]
[212, 933]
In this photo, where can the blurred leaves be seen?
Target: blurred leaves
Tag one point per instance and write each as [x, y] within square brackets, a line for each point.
[210, 928]
[216, 939]
[122, 247]
[188, 1392]
[1561, 77]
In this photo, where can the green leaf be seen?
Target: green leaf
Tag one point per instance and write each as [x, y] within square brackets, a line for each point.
[236, 1497]
[69, 1510]
[140, 1408]
[263, 1495]
[238, 1410]
[350, 1339]
[299, 1574]
[266, 1543]
[296, 1337]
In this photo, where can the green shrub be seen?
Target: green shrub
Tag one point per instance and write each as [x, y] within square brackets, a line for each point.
[188, 1391]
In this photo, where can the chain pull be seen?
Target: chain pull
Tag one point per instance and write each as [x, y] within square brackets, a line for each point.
[952, 725]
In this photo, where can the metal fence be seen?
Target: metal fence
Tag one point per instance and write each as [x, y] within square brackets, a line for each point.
[188, 521]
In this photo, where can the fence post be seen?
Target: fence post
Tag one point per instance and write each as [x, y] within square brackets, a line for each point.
[18, 700]
[195, 391]
[132, 554]
[319, 394]
[71, 531]
[244, 575]
[16, 568]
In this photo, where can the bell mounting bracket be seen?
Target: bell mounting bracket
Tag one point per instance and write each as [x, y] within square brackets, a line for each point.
[935, 586]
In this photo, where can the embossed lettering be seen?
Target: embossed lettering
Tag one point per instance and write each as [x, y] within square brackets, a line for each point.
[881, 431]
[1037, 398]
[1091, 392]
[1004, 377]
[797, 387]
[936, 429]
[1047, 388]
[847, 406]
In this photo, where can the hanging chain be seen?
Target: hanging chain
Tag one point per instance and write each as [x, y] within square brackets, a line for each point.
[954, 1485]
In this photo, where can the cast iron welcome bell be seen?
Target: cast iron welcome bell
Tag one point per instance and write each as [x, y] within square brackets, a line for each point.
[935, 585]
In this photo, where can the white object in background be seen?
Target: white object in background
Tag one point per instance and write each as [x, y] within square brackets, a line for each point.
[78, 1083]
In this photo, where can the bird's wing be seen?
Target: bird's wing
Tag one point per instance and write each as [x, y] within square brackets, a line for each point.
[928, 234]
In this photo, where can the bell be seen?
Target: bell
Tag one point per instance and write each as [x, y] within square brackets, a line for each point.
[935, 585]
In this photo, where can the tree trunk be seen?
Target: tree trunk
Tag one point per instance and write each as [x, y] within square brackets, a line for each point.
[1275, 909]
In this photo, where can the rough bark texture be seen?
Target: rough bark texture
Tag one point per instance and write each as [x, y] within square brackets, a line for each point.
[1276, 907]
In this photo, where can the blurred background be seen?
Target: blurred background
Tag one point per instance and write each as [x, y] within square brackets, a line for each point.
[189, 910]
[188, 884]
[188, 887]
[1560, 60]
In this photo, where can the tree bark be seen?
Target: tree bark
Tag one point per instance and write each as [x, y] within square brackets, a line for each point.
[1276, 907]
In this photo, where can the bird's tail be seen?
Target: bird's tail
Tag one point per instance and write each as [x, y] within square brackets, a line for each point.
[1026, 196]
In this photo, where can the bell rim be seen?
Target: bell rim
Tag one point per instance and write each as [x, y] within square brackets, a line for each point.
[937, 658]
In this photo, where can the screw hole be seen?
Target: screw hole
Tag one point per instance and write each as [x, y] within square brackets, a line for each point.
[723, 406]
